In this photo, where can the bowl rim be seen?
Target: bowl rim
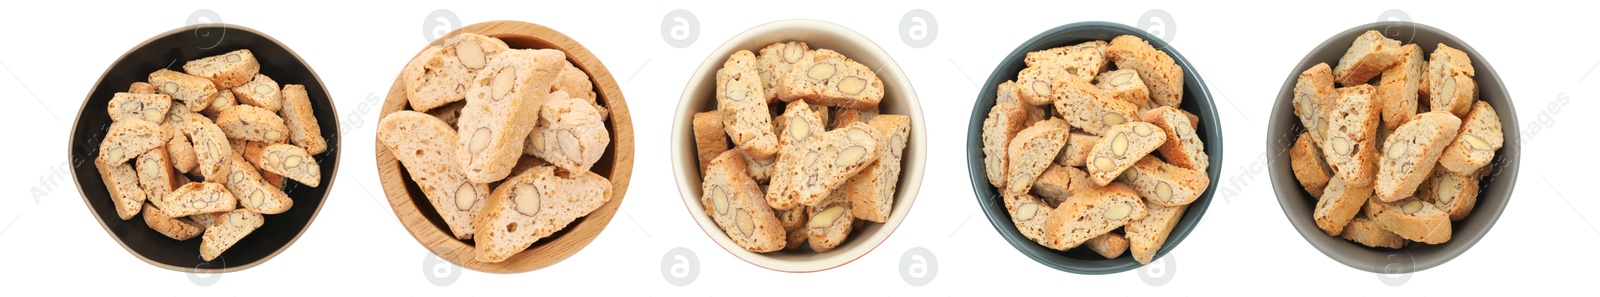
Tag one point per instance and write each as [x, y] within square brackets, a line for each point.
[1310, 232]
[912, 165]
[225, 268]
[621, 150]
[999, 218]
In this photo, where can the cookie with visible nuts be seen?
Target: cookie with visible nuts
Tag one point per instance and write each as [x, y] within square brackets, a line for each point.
[735, 202]
[1091, 213]
[745, 119]
[1009, 92]
[255, 192]
[1450, 84]
[301, 121]
[223, 100]
[1039, 84]
[1475, 144]
[253, 124]
[1031, 152]
[1076, 153]
[1086, 107]
[1412, 152]
[999, 128]
[122, 183]
[260, 92]
[570, 133]
[227, 231]
[1156, 69]
[1082, 61]
[443, 74]
[810, 174]
[828, 78]
[195, 92]
[1032, 218]
[1412, 219]
[775, 61]
[1183, 146]
[830, 222]
[1368, 56]
[146, 107]
[1165, 184]
[870, 193]
[533, 205]
[1351, 146]
[1454, 193]
[155, 173]
[292, 162]
[1124, 84]
[1121, 147]
[1314, 96]
[126, 140]
[196, 198]
[503, 104]
[1338, 205]
[1309, 168]
[226, 70]
[426, 147]
[1058, 183]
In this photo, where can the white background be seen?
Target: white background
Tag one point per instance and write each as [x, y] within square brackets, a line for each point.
[54, 53]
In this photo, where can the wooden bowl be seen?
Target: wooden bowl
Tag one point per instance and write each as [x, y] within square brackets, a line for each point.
[418, 215]
[170, 50]
[899, 99]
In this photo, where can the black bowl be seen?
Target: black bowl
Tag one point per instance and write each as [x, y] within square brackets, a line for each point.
[1196, 99]
[1493, 192]
[170, 50]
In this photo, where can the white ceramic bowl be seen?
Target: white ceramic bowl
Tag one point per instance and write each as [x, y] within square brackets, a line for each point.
[899, 99]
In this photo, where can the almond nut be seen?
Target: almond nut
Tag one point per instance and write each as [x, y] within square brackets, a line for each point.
[1142, 130]
[820, 71]
[480, 140]
[792, 54]
[261, 89]
[273, 135]
[169, 88]
[527, 199]
[1040, 88]
[850, 156]
[538, 140]
[858, 135]
[1027, 211]
[1112, 119]
[1411, 206]
[1119, 145]
[1130, 175]
[1104, 164]
[232, 58]
[471, 54]
[1398, 150]
[766, 76]
[115, 155]
[826, 217]
[219, 101]
[1447, 188]
[852, 85]
[466, 195]
[737, 94]
[569, 145]
[256, 198]
[1118, 211]
[1121, 78]
[237, 220]
[719, 199]
[799, 130]
[1475, 142]
[503, 81]
[897, 144]
[1449, 91]
[745, 225]
[1163, 191]
[1340, 145]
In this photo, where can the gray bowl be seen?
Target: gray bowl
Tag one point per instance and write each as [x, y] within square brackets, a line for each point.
[1196, 99]
[1493, 191]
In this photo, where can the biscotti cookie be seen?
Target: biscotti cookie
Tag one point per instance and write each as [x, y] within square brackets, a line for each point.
[570, 134]
[810, 174]
[1093, 212]
[227, 231]
[1398, 90]
[1076, 153]
[125, 140]
[1032, 218]
[142, 88]
[1083, 61]
[1351, 145]
[292, 162]
[760, 169]
[122, 185]
[1339, 204]
[1165, 184]
[1030, 152]
[1366, 232]
[798, 124]
[302, 123]
[260, 92]
[1002, 125]
[210, 145]
[747, 121]
[1454, 193]
[1411, 153]
[1314, 96]
[503, 104]
[1155, 68]
[254, 191]
[1450, 84]
[178, 228]
[1412, 219]
[1368, 56]
[775, 60]
[829, 78]
[194, 91]
[1038, 84]
[443, 74]
[709, 139]
[155, 173]
[226, 70]
[1146, 236]
[1122, 146]
[180, 151]
[223, 100]
[1309, 168]
[1110, 245]
[1475, 145]
[1086, 107]
[1124, 84]
[196, 198]
[830, 222]
[735, 202]
[148, 107]
[871, 192]
[794, 224]
[426, 146]
[253, 124]
[1183, 146]
[531, 206]
[1058, 183]
[1009, 93]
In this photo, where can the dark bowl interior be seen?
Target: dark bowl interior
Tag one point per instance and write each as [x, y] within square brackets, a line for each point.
[170, 50]
[1196, 99]
[1493, 191]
